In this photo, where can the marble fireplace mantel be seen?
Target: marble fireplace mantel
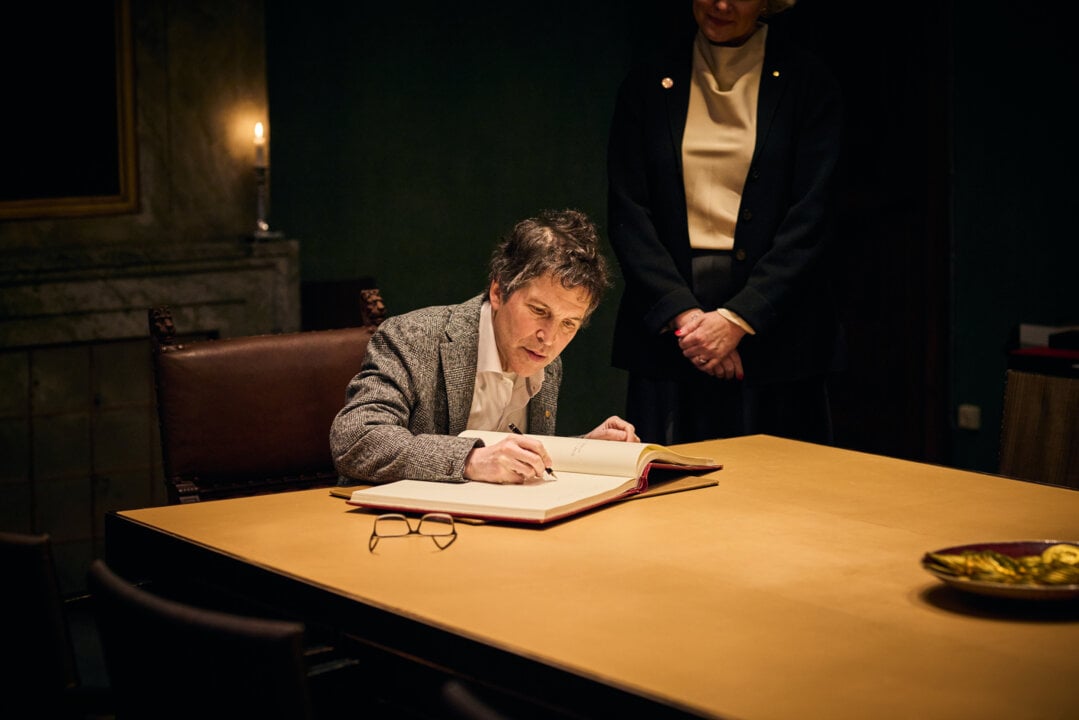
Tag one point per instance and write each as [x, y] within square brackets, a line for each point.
[74, 295]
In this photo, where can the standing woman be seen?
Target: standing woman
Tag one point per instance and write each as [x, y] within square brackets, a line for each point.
[720, 166]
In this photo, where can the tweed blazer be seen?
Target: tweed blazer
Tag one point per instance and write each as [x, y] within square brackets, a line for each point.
[782, 237]
[413, 394]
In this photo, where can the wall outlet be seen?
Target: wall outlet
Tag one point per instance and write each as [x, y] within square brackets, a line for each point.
[970, 417]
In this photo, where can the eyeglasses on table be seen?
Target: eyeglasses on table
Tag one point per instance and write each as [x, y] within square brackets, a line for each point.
[437, 526]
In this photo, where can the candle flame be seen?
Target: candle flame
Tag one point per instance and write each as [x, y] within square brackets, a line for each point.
[259, 132]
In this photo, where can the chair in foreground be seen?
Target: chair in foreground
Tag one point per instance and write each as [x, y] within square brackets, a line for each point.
[168, 659]
[251, 415]
[41, 672]
[460, 701]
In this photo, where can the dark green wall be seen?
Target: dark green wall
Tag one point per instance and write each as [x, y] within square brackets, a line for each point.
[1015, 189]
[406, 138]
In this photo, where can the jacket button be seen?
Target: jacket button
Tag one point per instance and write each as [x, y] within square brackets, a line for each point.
[747, 215]
[754, 173]
[739, 254]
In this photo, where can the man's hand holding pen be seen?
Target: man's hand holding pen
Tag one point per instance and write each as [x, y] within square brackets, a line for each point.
[516, 460]
[548, 473]
[521, 458]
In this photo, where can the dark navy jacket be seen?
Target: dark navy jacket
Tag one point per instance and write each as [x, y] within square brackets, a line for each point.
[782, 236]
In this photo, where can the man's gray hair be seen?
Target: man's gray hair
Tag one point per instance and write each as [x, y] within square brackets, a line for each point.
[561, 243]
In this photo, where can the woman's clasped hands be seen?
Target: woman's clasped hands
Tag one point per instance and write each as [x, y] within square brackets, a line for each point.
[710, 342]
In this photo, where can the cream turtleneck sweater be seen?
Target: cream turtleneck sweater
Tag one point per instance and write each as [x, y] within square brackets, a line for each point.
[721, 130]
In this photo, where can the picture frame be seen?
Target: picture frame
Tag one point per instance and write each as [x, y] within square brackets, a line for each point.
[67, 144]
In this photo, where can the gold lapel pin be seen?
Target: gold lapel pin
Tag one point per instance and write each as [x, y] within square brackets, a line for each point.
[667, 83]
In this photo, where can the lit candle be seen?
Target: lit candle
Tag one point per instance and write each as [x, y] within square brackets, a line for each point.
[260, 146]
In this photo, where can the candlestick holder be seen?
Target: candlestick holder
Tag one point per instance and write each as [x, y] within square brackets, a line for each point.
[262, 202]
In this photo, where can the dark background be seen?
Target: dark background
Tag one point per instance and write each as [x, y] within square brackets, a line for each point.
[408, 137]
[64, 140]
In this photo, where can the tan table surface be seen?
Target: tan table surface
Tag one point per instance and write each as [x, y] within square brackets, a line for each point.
[793, 588]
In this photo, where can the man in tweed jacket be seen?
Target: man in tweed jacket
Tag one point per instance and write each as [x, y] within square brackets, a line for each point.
[487, 363]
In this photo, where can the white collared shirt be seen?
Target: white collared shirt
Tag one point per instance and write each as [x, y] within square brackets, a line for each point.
[500, 398]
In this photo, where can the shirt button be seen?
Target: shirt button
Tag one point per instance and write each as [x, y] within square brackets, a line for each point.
[747, 215]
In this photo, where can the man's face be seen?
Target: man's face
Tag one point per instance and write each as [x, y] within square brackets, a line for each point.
[534, 324]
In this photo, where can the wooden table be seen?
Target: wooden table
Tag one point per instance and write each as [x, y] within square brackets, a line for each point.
[793, 588]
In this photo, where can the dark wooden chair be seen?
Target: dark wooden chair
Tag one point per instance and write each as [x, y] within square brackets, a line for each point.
[170, 659]
[1039, 438]
[461, 701]
[41, 675]
[251, 415]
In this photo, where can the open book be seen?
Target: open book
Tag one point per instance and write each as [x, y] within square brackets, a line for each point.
[590, 473]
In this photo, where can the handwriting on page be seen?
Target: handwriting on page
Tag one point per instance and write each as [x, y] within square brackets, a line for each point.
[578, 447]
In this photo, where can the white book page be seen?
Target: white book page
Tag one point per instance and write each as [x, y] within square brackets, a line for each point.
[580, 455]
[531, 500]
[603, 457]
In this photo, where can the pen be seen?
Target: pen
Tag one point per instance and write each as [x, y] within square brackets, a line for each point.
[517, 431]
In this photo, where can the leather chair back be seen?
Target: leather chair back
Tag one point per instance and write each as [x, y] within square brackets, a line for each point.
[40, 655]
[170, 659]
[250, 415]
